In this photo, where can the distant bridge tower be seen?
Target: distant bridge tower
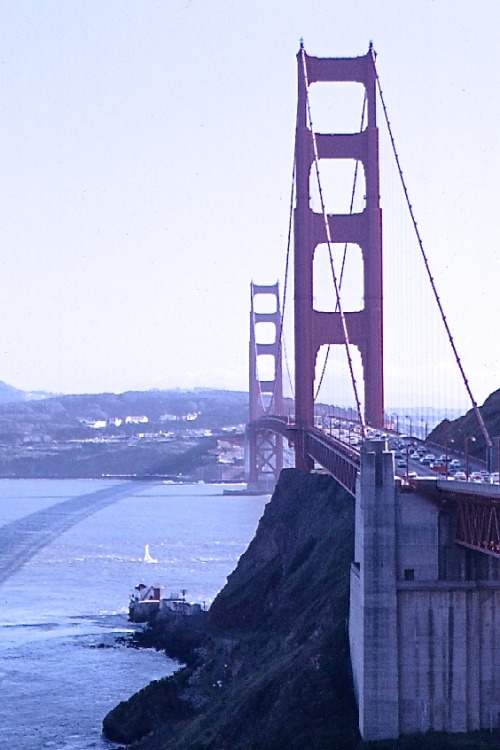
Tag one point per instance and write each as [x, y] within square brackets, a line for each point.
[314, 328]
[265, 448]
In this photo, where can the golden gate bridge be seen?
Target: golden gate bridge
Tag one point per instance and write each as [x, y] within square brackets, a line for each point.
[425, 574]
[359, 331]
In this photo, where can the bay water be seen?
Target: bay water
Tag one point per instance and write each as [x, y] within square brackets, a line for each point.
[65, 579]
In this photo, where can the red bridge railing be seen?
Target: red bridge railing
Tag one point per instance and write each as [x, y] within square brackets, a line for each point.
[341, 460]
[476, 509]
[478, 525]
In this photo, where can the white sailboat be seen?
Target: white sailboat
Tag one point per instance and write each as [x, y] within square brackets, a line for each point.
[147, 555]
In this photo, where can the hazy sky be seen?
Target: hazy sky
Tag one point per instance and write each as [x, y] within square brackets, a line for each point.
[147, 154]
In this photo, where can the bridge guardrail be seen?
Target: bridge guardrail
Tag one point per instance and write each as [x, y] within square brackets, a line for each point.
[339, 459]
[342, 461]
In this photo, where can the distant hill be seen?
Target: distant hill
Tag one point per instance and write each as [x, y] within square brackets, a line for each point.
[8, 393]
[467, 426]
[26, 414]
[150, 433]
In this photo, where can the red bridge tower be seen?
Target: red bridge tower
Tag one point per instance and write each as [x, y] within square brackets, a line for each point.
[314, 328]
[265, 448]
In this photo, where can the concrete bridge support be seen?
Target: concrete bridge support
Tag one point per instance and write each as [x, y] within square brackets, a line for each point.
[373, 617]
[424, 629]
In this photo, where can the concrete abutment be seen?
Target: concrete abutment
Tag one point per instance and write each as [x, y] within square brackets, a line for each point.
[424, 638]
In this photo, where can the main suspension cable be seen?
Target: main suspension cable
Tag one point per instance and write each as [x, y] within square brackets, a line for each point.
[475, 407]
[329, 243]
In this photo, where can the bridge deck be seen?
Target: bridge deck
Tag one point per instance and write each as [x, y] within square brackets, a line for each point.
[477, 511]
[477, 506]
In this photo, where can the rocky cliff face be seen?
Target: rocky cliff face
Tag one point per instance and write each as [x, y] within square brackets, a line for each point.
[269, 667]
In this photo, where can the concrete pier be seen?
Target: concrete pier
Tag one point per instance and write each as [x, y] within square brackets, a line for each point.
[424, 636]
[373, 617]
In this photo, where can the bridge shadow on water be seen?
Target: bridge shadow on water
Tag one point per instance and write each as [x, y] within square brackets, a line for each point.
[23, 538]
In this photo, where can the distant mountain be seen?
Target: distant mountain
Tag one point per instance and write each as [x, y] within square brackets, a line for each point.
[9, 394]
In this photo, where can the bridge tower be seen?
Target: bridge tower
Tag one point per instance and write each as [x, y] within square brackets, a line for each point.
[264, 447]
[314, 328]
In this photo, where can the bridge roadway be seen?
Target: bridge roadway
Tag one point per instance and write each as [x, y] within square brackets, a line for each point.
[339, 459]
[476, 506]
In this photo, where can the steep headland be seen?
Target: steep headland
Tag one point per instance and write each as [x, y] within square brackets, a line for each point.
[269, 668]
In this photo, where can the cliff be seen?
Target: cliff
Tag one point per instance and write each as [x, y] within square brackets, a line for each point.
[269, 666]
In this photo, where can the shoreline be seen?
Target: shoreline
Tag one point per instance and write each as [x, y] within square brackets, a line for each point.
[240, 687]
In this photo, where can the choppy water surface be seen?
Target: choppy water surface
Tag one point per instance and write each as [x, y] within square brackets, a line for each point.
[64, 593]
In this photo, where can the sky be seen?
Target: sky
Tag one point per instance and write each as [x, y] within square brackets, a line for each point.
[147, 152]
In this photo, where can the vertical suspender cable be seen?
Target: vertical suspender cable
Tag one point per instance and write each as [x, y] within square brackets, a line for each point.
[475, 407]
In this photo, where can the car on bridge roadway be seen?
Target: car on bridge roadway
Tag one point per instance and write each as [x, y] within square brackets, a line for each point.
[476, 476]
[438, 466]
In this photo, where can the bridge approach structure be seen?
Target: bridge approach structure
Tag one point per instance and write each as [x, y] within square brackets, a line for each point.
[424, 598]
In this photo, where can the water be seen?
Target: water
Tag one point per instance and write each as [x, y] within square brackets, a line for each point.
[64, 662]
